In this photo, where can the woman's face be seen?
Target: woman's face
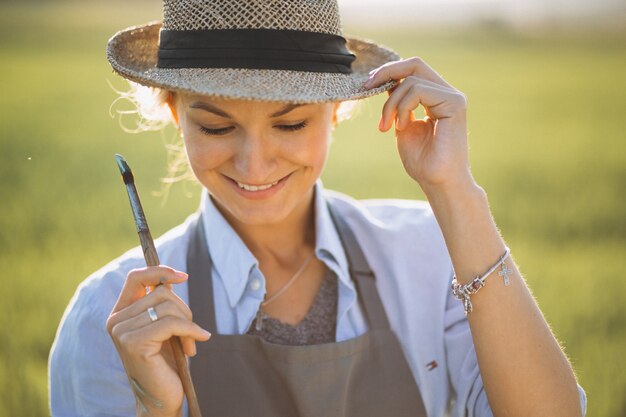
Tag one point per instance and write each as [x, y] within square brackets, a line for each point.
[259, 160]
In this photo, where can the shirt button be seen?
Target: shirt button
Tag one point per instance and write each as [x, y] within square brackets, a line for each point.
[255, 284]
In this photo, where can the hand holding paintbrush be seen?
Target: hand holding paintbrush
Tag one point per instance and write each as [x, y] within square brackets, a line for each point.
[152, 328]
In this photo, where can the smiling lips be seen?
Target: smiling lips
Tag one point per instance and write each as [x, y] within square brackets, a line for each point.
[255, 187]
[259, 191]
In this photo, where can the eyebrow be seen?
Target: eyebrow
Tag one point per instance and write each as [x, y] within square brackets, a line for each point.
[207, 107]
[286, 109]
[211, 109]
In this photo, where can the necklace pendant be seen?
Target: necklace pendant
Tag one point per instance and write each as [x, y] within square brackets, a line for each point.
[259, 321]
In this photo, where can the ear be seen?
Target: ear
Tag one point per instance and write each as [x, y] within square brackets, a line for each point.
[171, 103]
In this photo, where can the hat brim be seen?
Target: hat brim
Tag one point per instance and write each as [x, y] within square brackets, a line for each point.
[133, 54]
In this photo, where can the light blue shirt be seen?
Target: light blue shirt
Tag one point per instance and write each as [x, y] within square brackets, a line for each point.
[405, 249]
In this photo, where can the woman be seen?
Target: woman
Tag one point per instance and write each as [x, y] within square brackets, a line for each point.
[318, 304]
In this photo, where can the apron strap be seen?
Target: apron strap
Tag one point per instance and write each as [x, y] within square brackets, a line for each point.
[200, 283]
[361, 273]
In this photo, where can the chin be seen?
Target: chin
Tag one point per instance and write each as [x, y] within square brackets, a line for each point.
[259, 216]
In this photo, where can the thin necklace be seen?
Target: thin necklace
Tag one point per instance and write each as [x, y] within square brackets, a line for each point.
[259, 314]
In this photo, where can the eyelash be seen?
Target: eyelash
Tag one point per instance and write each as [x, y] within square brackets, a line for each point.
[292, 128]
[225, 130]
[216, 132]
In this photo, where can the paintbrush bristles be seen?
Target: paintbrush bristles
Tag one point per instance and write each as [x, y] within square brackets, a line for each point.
[127, 174]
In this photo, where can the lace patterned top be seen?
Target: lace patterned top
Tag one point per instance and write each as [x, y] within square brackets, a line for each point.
[317, 327]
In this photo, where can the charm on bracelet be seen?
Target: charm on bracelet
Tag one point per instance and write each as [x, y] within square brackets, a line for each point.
[463, 292]
[504, 273]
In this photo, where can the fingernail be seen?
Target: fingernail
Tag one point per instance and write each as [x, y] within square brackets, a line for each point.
[206, 333]
[181, 274]
[380, 124]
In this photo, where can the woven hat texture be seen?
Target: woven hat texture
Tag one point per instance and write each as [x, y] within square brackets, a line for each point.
[133, 52]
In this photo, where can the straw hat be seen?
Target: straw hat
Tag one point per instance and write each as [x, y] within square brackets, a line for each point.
[266, 50]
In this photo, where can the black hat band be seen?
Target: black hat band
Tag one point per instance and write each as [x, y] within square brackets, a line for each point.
[254, 49]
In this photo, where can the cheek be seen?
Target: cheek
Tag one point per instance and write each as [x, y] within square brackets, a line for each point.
[318, 152]
[204, 154]
[309, 152]
[312, 148]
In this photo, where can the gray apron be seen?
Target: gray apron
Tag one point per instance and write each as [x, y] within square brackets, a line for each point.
[242, 375]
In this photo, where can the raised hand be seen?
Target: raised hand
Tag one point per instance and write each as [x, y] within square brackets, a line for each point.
[140, 338]
[433, 150]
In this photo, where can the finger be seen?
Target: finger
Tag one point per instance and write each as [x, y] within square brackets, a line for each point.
[439, 103]
[160, 331]
[189, 345]
[390, 106]
[165, 309]
[159, 295]
[138, 279]
[140, 316]
[400, 106]
[398, 70]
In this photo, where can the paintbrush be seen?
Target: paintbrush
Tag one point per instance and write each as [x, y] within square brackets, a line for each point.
[152, 259]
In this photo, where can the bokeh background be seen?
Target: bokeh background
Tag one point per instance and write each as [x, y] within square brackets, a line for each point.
[546, 83]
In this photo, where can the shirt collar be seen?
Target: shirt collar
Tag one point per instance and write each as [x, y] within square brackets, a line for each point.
[231, 258]
[234, 262]
[328, 247]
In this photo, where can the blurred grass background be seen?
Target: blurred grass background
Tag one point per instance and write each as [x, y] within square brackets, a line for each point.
[546, 120]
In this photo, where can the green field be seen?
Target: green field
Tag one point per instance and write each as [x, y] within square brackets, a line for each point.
[547, 116]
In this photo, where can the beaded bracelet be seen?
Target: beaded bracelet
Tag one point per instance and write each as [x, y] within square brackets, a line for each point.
[463, 292]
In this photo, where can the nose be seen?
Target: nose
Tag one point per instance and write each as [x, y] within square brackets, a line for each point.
[255, 160]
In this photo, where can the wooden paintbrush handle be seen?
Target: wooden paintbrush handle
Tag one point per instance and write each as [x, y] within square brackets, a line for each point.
[185, 377]
[149, 251]
[152, 259]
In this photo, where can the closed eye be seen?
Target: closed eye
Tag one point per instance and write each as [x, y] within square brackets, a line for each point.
[216, 132]
[291, 128]
[226, 130]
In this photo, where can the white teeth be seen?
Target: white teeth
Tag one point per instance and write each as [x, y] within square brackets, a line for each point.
[255, 187]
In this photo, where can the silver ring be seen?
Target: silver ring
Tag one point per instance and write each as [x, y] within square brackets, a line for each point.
[152, 313]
